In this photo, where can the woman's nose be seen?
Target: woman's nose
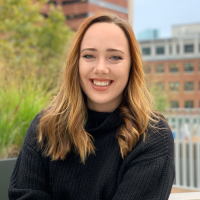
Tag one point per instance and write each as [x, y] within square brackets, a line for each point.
[101, 67]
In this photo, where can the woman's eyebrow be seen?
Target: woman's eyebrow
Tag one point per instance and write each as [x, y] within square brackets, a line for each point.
[109, 50]
[89, 49]
[113, 50]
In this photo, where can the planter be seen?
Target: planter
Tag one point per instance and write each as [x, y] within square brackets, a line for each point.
[6, 168]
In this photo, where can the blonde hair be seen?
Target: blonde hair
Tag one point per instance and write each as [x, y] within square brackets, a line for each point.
[61, 126]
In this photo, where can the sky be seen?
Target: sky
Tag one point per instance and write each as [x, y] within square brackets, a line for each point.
[163, 14]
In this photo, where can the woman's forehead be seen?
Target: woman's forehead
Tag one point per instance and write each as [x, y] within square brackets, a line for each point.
[103, 33]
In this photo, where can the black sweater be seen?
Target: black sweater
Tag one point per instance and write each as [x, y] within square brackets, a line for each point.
[146, 173]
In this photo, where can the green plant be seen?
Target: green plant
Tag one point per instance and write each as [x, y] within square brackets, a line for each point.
[31, 58]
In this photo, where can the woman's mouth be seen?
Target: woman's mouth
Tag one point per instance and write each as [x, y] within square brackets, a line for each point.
[101, 85]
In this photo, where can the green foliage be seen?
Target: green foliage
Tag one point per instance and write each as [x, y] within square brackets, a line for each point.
[31, 55]
[18, 106]
[160, 97]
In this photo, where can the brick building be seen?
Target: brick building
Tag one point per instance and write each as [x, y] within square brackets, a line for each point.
[77, 10]
[174, 64]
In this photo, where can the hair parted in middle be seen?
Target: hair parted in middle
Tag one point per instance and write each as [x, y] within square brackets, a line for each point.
[61, 126]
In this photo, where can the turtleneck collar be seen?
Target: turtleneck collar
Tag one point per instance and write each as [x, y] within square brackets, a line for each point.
[103, 121]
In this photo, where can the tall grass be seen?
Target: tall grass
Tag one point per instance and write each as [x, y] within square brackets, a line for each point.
[18, 106]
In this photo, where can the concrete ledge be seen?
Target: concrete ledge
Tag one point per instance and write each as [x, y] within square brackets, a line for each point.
[185, 196]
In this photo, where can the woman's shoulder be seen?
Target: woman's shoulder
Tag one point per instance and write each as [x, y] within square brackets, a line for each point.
[158, 143]
[159, 139]
[31, 137]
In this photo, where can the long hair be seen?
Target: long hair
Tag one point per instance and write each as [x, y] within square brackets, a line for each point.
[61, 126]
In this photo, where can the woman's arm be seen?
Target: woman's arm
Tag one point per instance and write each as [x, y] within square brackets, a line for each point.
[29, 179]
[151, 174]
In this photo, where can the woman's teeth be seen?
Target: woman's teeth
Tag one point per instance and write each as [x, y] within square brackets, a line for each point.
[98, 83]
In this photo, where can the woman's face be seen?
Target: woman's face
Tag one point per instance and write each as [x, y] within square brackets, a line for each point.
[104, 66]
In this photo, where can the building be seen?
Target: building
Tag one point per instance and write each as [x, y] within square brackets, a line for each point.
[149, 34]
[174, 63]
[77, 10]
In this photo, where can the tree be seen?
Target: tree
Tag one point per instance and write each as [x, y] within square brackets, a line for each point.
[31, 58]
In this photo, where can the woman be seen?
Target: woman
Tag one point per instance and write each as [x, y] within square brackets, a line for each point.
[99, 138]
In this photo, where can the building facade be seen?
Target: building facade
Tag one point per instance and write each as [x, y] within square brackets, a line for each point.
[76, 11]
[174, 64]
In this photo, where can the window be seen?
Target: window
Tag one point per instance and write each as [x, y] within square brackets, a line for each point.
[147, 69]
[189, 48]
[174, 68]
[189, 104]
[146, 51]
[174, 86]
[52, 2]
[174, 104]
[76, 16]
[188, 67]
[170, 49]
[160, 86]
[189, 86]
[160, 69]
[177, 49]
[160, 50]
[72, 1]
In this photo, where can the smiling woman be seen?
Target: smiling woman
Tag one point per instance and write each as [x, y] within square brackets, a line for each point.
[100, 137]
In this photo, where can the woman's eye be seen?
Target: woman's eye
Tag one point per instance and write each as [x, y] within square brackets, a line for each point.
[88, 56]
[116, 58]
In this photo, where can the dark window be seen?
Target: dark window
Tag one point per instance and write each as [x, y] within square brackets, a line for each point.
[177, 49]
[188, 67]
[189, 86]
[146, 51]
[147, 69]
[52, 2]
[174, 86]
[174, 104]
[170, 49]
[189, 48]
[174, 68]
[77, 16]
[189, 104]
[160, 69]
[160, 50]
[74, 1]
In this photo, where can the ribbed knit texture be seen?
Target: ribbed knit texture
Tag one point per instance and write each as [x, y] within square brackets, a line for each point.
[147, 173]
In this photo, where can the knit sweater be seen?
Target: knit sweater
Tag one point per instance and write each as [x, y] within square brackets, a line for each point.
[147, 173]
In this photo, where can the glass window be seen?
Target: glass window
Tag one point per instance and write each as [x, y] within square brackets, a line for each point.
[147, 69]
[160, 86]
[170, 49]
[160, 69]
[189, 104]
[160, 50]
[189, 67]
[174, 86]
[146, 51]
[189, 48]
[174, 68]
[177, 49]
[174, 104]
[189, 86]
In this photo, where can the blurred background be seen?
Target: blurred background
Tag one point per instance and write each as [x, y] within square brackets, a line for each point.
[36, 36]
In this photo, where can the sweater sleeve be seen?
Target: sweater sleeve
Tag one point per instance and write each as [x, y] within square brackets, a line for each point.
[29, 179]
[150, 175]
